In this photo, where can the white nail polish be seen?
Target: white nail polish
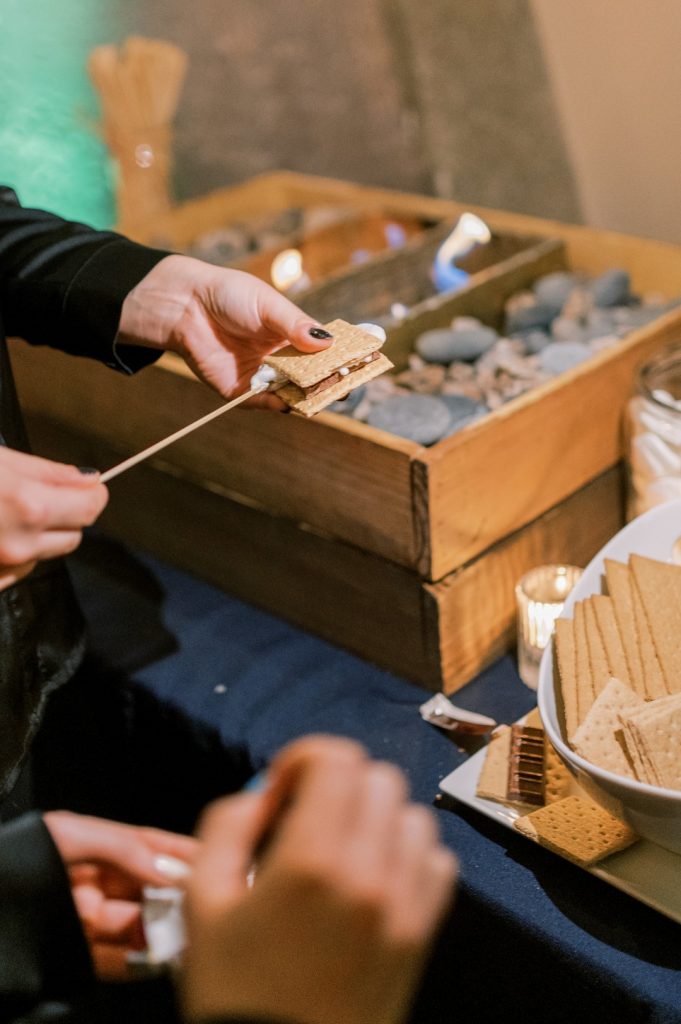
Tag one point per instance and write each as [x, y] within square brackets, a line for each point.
[172, 867]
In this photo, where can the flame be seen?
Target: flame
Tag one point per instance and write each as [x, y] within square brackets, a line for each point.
[287, 269]
[469, 231]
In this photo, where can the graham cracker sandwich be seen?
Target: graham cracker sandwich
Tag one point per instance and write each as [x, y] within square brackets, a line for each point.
[315, 380]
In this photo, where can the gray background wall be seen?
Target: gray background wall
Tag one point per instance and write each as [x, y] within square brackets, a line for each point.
[445, 96]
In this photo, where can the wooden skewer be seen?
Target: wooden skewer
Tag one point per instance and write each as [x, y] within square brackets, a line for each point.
[141, 456]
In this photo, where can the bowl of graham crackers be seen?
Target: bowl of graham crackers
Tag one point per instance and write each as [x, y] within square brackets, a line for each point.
[610, 682]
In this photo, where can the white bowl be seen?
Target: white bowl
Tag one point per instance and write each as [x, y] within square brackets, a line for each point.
[652, 812]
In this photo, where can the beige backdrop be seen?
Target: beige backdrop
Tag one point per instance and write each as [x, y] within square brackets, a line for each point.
[615, 66]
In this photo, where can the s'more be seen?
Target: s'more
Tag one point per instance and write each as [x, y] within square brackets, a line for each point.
[315, 380]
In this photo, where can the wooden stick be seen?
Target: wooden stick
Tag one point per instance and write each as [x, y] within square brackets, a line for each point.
[141, 456]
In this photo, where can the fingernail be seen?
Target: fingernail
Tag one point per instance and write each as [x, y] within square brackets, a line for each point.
[88, 470]
[172, 867]
[319, 334]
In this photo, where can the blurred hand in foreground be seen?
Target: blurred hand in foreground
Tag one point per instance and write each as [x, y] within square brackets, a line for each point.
[350, 888]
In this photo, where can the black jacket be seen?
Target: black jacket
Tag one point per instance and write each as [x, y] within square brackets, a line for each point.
[63, 285]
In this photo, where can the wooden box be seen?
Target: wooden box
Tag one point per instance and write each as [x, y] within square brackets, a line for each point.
[356, 293]
[404, 554]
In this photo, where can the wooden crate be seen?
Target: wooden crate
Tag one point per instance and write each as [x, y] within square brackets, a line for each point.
[404, 554]
[356, 293]
[437, 634]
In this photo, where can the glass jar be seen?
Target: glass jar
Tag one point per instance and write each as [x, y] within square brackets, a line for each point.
[654, 434]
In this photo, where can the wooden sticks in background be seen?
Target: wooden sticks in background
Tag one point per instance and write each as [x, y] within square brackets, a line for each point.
[139, 85]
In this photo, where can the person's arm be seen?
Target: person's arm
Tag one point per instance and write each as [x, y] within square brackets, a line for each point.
[43, 952]
[63, 284]
[95, 293]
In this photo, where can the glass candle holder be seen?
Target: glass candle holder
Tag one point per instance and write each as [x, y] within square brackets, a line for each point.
[540, 596]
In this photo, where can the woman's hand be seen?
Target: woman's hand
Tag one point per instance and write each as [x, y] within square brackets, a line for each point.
[43, 509]
[222, 322]
[108, 865]
[347, 896]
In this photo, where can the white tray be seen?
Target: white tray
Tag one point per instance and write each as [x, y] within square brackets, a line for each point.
[645, 871]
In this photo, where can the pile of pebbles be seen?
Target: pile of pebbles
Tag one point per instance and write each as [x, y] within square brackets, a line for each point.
[278, 230]
[238, 240]
[460, 373]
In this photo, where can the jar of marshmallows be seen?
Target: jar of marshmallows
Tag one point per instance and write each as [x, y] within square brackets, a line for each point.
[654, 433]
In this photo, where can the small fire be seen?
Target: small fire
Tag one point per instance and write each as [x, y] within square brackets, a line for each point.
[287, 271]
[469, 231]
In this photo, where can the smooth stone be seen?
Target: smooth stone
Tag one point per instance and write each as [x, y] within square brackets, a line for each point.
[419, 418]
[529, 317]
[447, 346]
[560, 356]
[461, 407]
[349, 404]
[462, 323]
[636, 316]
[224, 245]
[458, 425]
[602, 319]
[593, 332]
[612, 288]
[534, 341]
[565, 329]
[554, 289]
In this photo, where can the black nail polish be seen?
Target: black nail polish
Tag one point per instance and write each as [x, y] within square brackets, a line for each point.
[87, 470]
[319, 333]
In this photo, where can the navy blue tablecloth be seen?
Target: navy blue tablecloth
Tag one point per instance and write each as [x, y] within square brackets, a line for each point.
[531, 936]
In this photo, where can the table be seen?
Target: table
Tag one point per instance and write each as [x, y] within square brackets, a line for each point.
[532, 938]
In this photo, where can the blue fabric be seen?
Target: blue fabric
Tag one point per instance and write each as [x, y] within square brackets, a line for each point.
[532, 937]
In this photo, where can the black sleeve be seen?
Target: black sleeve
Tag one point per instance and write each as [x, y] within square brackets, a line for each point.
[63, 284]
[43, 952]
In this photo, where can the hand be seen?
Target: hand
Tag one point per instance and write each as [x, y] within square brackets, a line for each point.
[43, 509]
[222, 322]
[108, 864]
[347, 896]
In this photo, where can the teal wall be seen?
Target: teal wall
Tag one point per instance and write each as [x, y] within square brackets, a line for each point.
[50, 151]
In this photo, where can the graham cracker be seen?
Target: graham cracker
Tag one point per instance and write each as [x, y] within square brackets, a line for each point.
[659, 585]
[598, 661]
[643, 769]
[564, 645]
[293, 396]
[493, 778]
[620, 590]
[585, 686]
[557, 779]
[533, 719]
[653, 680]
[599, 738]
[307, 368]
[612, 641]
[656, 734]
[577, 829]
